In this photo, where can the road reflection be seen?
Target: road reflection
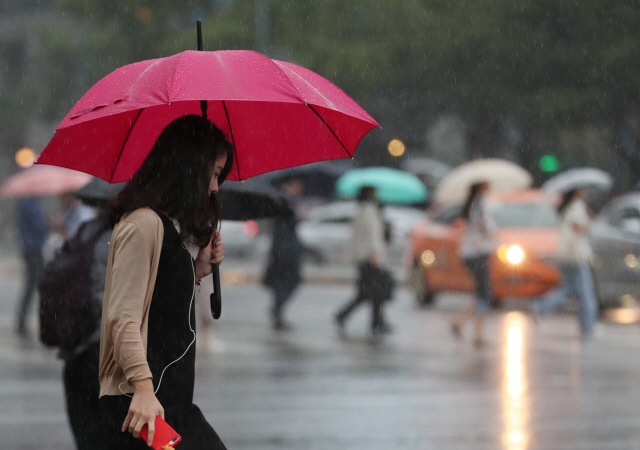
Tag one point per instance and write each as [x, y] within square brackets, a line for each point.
[515, 396]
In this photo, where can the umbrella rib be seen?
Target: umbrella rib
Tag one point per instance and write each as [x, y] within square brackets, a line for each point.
[332, 132]
[115, 167]
[233, 140]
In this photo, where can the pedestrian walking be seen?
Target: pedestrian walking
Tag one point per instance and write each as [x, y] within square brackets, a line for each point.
[147, 352]
[574, 255]
[477, 244]
[88, 252]
[283, 275]
[32, 232]
[368, 250]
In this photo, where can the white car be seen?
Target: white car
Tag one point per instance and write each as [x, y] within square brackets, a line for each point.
[243, 239]
[615, 237]
[326, 230]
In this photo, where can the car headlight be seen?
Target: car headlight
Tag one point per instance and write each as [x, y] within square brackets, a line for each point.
[511, 253]
[427, 258]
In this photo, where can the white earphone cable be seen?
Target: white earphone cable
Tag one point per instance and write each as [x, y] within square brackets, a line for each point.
[193, 295]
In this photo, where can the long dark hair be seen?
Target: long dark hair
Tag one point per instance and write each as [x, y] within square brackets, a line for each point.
[174, 179]
[567, 197]
[474, 191]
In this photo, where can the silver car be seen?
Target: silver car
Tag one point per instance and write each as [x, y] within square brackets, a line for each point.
[615, 237]
[326, 230]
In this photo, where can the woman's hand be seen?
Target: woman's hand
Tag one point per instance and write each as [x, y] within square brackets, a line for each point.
[143, 410]
[211, 254]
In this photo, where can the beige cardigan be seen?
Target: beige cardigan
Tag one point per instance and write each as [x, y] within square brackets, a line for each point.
[131, 276]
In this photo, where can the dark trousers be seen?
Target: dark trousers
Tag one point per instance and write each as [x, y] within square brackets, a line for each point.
[282, 292]
[479, 269]
[364, 294]
[82, 388]
[34, 265]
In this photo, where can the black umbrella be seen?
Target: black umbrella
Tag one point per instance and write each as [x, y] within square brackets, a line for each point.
[98, 192]
[319, 178]
[251, 199]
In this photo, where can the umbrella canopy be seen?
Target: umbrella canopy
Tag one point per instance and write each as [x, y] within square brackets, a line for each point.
[502, 176]
[394, 186]
[426, 166]
[319, 178]
[98, 192]
[43, 180]
[578, 178]
[277, 114]
[251, 199]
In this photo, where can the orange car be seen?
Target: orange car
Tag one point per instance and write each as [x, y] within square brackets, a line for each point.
[520, 267]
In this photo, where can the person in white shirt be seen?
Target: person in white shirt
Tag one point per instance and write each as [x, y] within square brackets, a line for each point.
[476, 246]
[368, 250]
[574, 255]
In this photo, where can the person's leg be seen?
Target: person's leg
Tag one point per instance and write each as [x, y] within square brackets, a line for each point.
[588, 304]
[34, 266]
[82, 389]
[385, 326]
[359, 298]
[478, 334]
[350, 306]
[480, 268]
[279, 298]
[377, 322]
[282, 294]
[197, 433]
[461, 318]
[387, 289]
[470, 310]
[556, 298]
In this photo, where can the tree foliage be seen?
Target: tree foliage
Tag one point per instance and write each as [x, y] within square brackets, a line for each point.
[539, 64]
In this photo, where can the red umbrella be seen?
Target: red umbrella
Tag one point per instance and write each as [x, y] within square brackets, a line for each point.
[276, 113]
[43, 180]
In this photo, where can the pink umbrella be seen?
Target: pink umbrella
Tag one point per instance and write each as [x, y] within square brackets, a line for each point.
[276, 113]
[43, 180]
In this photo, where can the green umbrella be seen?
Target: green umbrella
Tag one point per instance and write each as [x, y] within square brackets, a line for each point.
[394, 186]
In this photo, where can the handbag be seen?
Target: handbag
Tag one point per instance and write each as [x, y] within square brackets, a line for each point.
[377, 283]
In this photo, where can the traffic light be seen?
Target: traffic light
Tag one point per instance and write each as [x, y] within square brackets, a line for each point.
[549, 163]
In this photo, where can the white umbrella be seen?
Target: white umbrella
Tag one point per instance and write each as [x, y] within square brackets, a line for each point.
[502, 175]
[578, 178]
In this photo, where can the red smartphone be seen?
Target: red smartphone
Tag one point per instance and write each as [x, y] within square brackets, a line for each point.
[164, 435]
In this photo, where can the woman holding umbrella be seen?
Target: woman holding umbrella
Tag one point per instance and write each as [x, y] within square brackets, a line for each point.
[477, 244]
[147, 354]
[574, 254]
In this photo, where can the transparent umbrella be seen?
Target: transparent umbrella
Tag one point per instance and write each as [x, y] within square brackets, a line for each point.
[577, 178]
[502, 175]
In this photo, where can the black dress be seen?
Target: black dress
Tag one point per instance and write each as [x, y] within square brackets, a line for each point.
[171, 318]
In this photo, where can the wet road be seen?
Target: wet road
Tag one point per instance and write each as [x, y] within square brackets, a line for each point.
[531, 387]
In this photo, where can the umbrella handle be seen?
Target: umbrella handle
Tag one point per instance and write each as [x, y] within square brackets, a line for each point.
[216, 296]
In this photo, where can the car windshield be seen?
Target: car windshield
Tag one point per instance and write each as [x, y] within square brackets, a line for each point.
[514, 215]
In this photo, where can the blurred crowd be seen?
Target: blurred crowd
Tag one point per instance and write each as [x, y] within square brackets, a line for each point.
[450, 233]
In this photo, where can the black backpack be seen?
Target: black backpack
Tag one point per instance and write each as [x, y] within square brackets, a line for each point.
[68, 313]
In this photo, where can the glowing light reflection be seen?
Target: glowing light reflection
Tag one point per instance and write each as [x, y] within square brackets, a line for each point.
[515, 400]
